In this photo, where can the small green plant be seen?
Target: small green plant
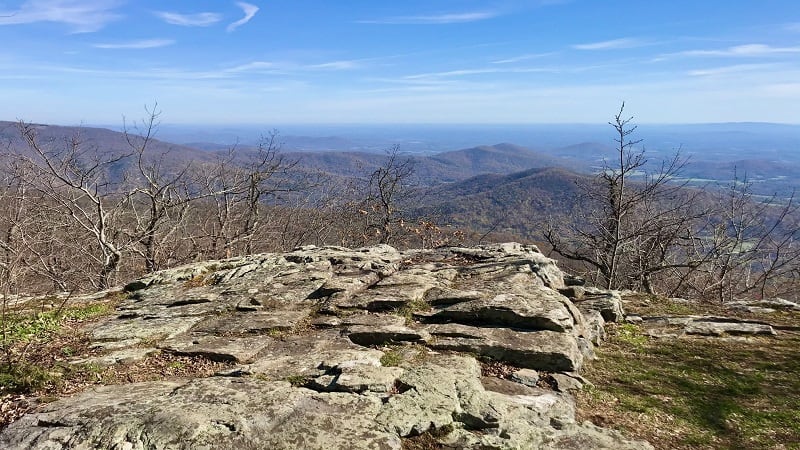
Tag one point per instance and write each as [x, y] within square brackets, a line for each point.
[412, 307]
[23, 328]
[85, 312]
[391, 358]
[632, 335]
[24, 378]
[298, 380]
[275, 332]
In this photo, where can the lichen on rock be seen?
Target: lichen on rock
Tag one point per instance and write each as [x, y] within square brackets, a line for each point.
[339, 348]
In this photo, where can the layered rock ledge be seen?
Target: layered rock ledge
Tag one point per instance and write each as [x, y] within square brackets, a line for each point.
[336, 348]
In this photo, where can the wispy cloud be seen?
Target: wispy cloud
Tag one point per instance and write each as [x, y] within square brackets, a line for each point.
[733, 69]
[336, 65]
[249, 12]
[610, 45]
[521, 58]
[793, 27]
[285, 67]
[203, 19]
[452, 73]
[83, 16]
[142, 44]
[440, 19]
[752, 50]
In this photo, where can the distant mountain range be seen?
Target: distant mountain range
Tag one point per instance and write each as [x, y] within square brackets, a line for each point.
[479, 187]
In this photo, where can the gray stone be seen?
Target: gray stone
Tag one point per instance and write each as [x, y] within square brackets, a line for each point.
[540, 350]
[607, 303]
[122, 356]
[540, 309]
[528, 377]
[218, 413]
[382, 335]
[594, 326]
[446, 296]
[251, 322]
[767, 303]
[567, 383]
[358, 378]
[307, 380]
[216, 348]
[707, 328]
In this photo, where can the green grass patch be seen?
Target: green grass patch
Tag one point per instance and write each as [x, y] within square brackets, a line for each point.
[24, 378]
[24, 327]
[697, 392]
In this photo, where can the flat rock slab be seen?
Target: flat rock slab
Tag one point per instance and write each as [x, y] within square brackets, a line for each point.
[122, 356]
[358, 378]
[217, 348]
[143, 329]
[310, 355]
[261, 322]
[384, 335]
[215, 413]
[705, 328]
[539, 350]
[538, 309]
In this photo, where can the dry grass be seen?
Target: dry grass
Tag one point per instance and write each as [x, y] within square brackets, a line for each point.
[35, 368]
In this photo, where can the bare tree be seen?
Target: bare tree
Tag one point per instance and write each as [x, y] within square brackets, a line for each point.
[749, 246]
[629, 219]
[389, 190]
[75, 178]
[159, 196]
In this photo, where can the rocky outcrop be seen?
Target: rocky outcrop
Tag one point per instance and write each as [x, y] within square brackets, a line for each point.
[336, 348]
[705, 326]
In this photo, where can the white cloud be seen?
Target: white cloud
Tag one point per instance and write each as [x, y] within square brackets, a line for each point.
[742, 50]
[336, 65]
[725, 70]
[285, 67]
[147, 43]
[610, 45]
[253, 66]
[452, 73]
[84, 16]
[434, 19]
[249, 12]
[521, 58]
[189, 20]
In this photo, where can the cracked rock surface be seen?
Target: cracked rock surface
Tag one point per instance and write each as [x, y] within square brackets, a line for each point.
[338, 348]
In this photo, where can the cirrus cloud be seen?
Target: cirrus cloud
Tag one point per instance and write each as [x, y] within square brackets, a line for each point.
[83, 16]
[250, 11]
[203, 19]
[136, 45]
[440, 19]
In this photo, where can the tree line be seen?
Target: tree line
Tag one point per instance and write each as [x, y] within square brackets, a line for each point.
[74, 217]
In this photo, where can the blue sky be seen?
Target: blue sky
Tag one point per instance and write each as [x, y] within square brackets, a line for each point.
[368, 61]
